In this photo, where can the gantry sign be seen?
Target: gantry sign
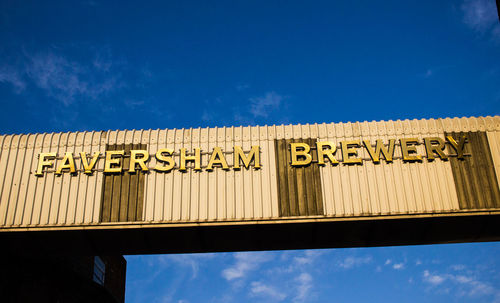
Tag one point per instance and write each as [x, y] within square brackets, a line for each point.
[434, 147]
[252, 188]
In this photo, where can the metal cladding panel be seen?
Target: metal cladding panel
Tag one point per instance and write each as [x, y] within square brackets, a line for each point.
[27, 200]
[368, 190]
[494, 141]
[201, 196]
[387, 188]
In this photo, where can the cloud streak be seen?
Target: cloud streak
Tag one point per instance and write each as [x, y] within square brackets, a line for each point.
[188, 260]
[259, 289]
[304, 285]
[252, 109]
[66, 78]
[13, 77]
[481, 16]
[262, 106]
[308, 257]
[351, 262]
[245, 263]
[468, 285]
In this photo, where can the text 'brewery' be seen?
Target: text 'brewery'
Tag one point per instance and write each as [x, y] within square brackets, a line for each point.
[434, 147]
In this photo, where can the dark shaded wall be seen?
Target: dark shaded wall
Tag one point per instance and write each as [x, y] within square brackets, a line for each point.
[40, 278]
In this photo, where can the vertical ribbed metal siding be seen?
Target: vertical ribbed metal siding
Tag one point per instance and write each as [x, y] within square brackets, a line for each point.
[367, 189]
[394, 188]
[494, 141]
[217, 195]
[299, 189]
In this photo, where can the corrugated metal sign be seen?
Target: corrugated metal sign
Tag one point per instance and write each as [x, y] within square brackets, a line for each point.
[250, 174]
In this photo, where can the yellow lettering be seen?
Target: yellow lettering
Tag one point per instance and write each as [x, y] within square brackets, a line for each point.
[458, 147]
[253, 154]
[44, 161]
[432, 148]
[160, 157]
[196, 158]
[217, 157]
[348, 150]
[87, 168]
[141, 161]
[330, 152]
[68, 162]
[110, 161]
[380, 148]
[302, 150]
[409, 149]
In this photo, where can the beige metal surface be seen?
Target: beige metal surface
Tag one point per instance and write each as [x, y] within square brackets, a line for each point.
[494, 141]
[248, 194]
[395, 188]
[217, 195]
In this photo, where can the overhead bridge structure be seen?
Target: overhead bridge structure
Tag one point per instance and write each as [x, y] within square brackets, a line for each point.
[251, 188]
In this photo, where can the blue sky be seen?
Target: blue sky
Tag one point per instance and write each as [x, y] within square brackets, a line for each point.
[429, 273]
[93, 65]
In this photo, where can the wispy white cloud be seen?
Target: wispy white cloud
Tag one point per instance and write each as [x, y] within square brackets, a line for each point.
[65, 76]
[248, 111]
[478, 287]
[65, 79]
[297, 263]
[241, 117]
[133, 104]
[434, 71]
[463, 279]
[469, 285]
[191, 261]
[263, 105]
[433, 279]
[304, 285]
[185, 266]
[481, 16]
[259, 289]
[458, 267]
[13, 77]
[245, 263]
[392, 264]
[207, 116]
[350, 262]
[242, 86]
[295, 271]
[102, 60]
[308, 257]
